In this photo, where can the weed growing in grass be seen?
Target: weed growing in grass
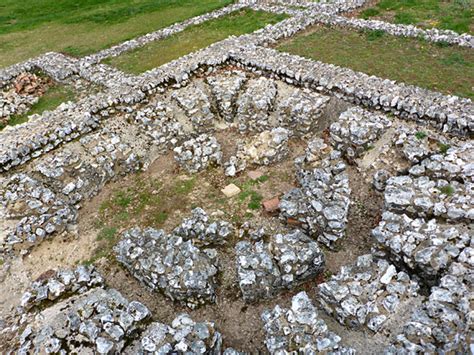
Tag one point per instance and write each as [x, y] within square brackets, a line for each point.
[369, 13]
[454, 59]
[122, 199]
[185, 187]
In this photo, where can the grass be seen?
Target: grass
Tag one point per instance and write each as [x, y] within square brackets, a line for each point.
[192, 39]
[447, 190]
[456, 15]
[51, 99]
[421, 135]
[32, 27]
[249, 195]
[443, 148]
[417, 62]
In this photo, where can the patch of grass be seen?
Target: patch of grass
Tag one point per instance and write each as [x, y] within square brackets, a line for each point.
[51, 99]
[374, 34]
[403, 59]
[107, 234]
[456, 15]
[453, 59]
[31, 27]
[443, 148]
[255, 199]
[367, 13]
[421, 135]
[447, 190]
[249, 195]
[184, 187]
[122, 199]
[192, 39]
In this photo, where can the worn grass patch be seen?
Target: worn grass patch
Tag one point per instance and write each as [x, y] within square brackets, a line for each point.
[456, 15]
[417, 62]
[192, 39]
[51, 99]
[30, 27]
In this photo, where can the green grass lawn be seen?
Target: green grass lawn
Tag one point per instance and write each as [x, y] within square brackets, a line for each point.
[32, 27]
[447, 69]
[456, 15]
[192, 39]
[51, 99]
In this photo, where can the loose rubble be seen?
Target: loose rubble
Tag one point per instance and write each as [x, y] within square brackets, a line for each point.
[226, 89]
[299, 113]
[442, 323]
[202, 230]
[428, 198]
[82, 316]
[425, 245]
[61, 283]
[255, 104]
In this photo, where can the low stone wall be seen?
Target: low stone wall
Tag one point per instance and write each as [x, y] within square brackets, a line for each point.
[446, 112]
[431, 35]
